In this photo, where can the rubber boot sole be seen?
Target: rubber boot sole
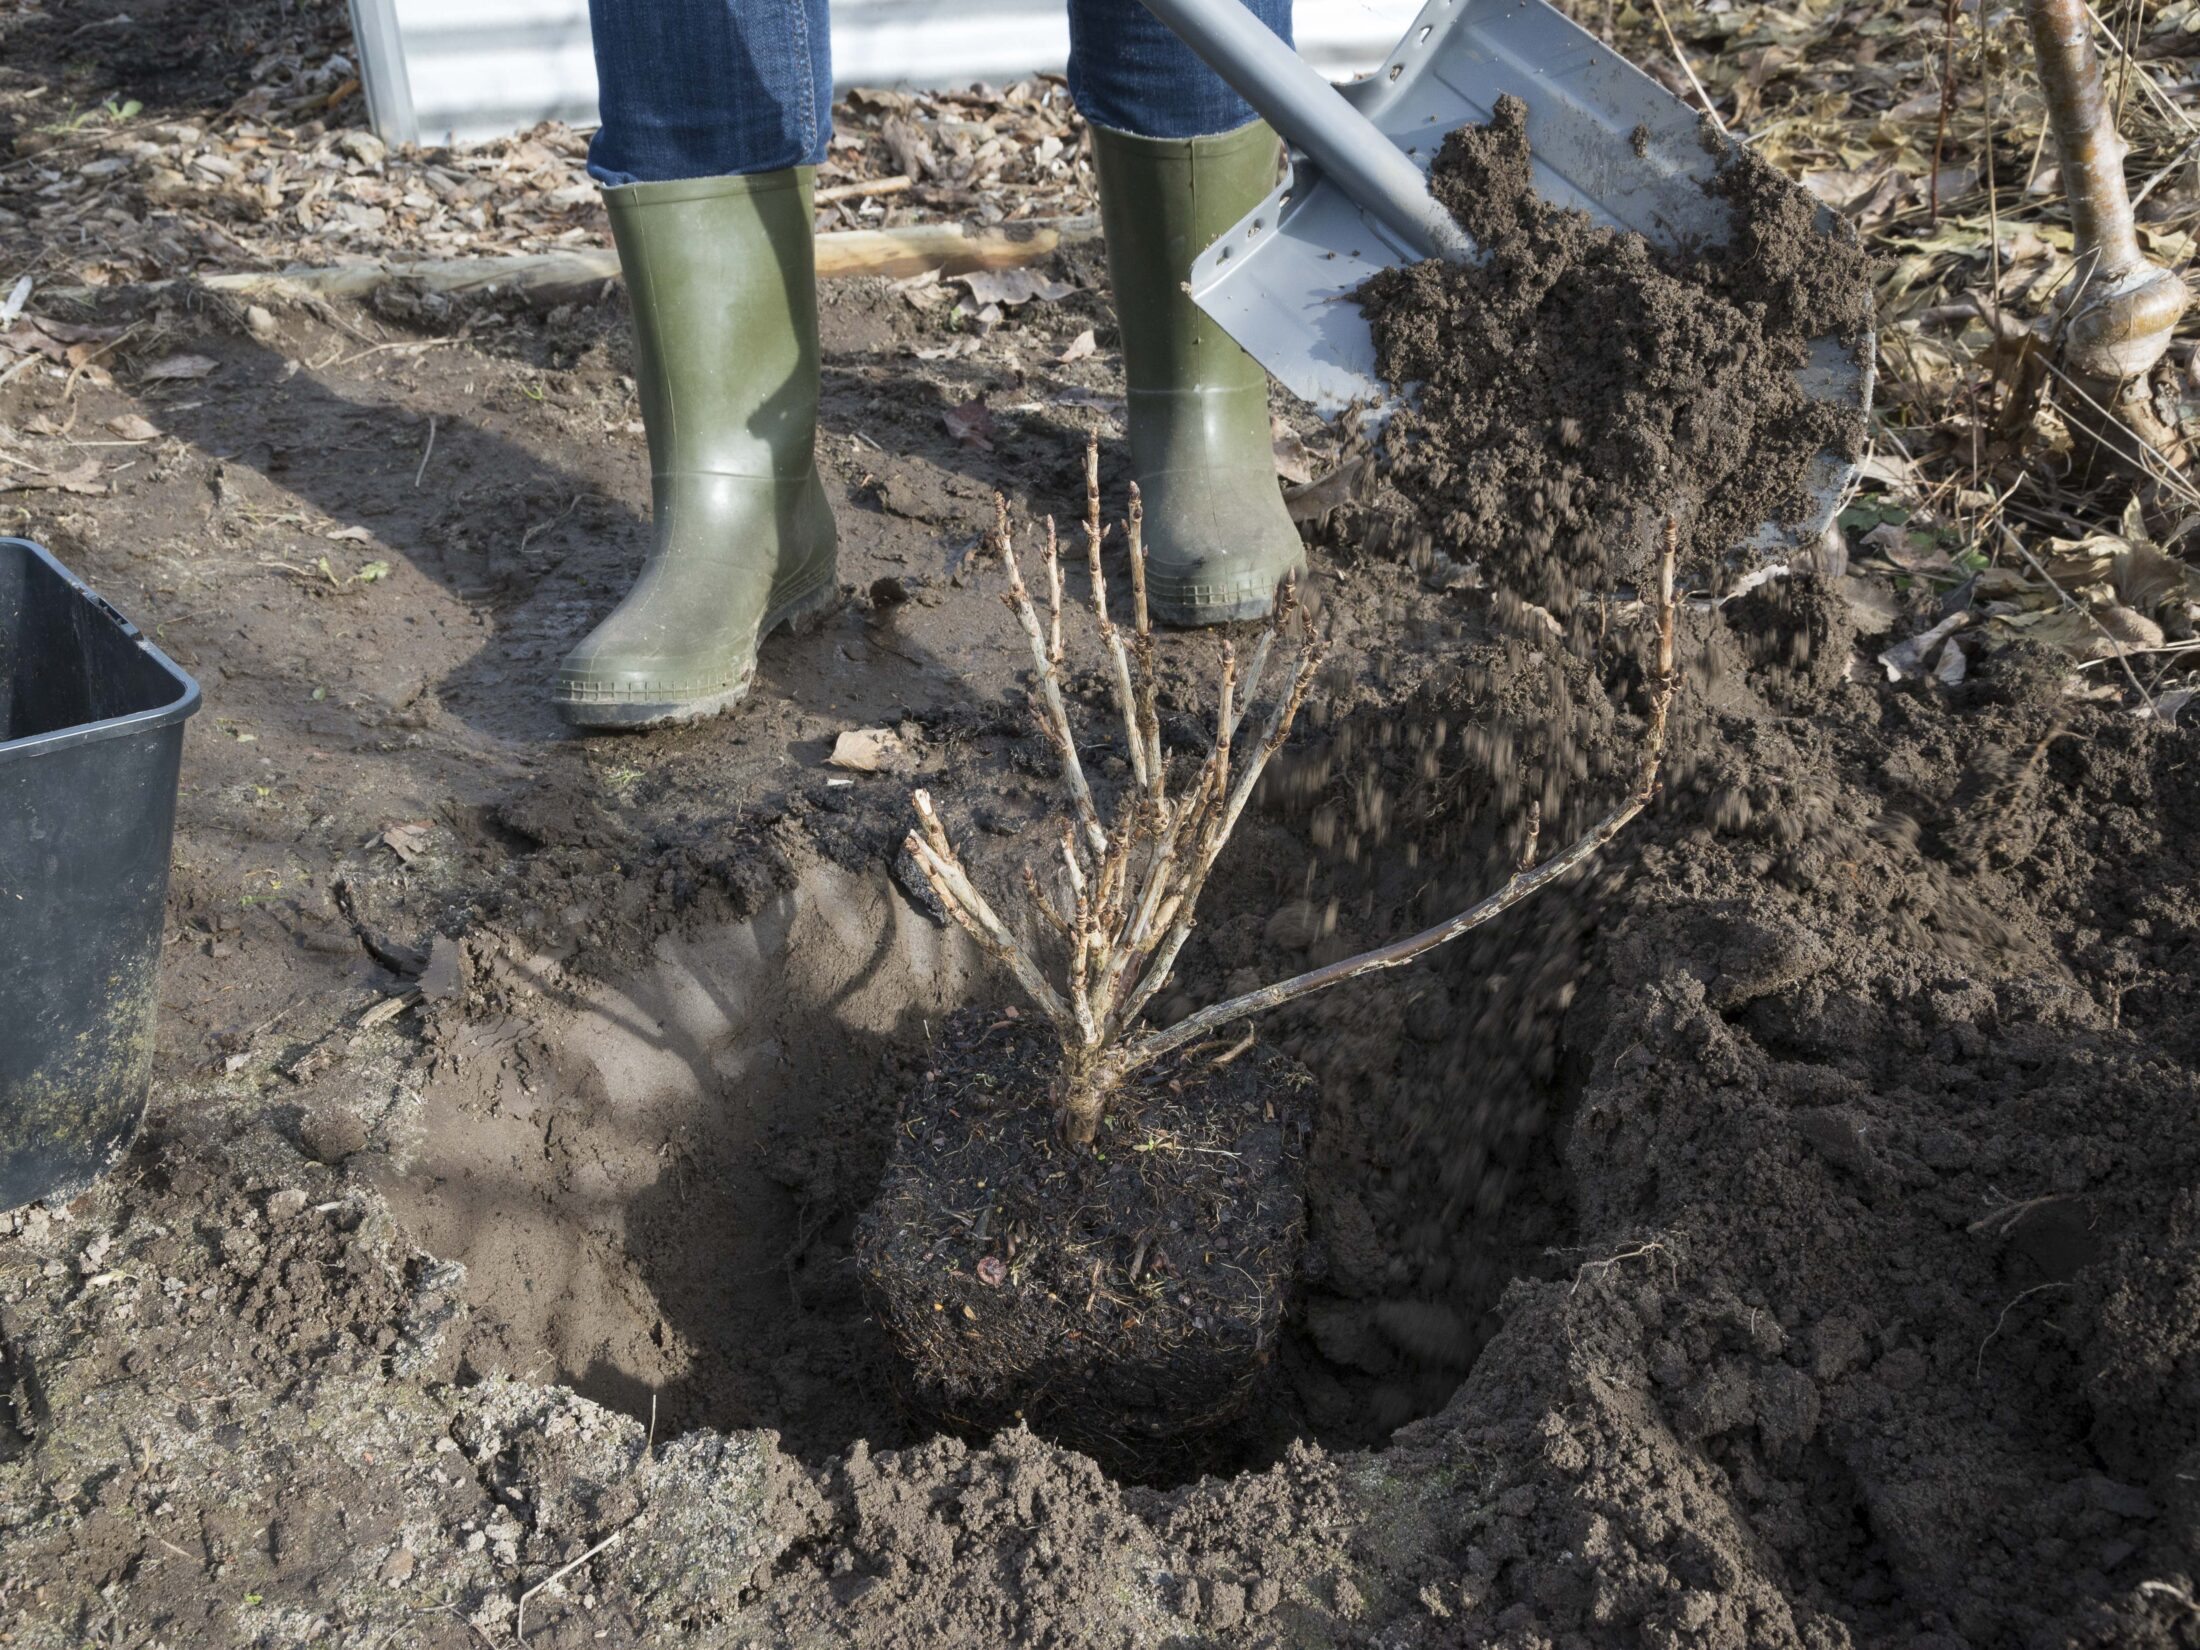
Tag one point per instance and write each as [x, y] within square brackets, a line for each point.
[1186, 605]
[797, 613]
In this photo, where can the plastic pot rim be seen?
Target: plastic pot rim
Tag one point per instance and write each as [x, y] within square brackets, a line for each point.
[183, 705]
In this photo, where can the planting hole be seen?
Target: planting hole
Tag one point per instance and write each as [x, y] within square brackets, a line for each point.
[653, 1180]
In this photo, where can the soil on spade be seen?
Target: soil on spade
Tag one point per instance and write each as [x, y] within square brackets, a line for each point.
[1123, 1298]
[1578, 384]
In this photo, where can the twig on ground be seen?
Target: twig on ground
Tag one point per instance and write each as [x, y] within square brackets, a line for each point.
[911, 250]
[2116, 647]
[861, 188]
[1641, 1251]
[1978, 1368]
[519, 1621]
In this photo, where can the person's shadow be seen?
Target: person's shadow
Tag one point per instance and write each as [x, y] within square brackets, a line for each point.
[520, 487]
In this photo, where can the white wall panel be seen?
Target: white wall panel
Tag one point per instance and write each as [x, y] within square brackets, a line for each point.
[447, 71]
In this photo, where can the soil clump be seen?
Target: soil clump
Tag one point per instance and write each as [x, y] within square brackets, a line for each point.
[1579, 383]
[1122, 1299]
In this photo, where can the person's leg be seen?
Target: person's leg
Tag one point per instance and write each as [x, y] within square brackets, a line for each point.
[714, 114]
[1180, 159]
[709, 88]
[1128, 73]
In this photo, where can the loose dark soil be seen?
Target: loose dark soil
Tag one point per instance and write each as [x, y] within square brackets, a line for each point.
[1783, 1237]
[1125, 1298]
[1579, 385]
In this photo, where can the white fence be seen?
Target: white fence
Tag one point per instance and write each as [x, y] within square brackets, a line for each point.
[454, 71]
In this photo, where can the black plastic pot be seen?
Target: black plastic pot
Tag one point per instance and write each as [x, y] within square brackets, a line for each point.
[91, 731]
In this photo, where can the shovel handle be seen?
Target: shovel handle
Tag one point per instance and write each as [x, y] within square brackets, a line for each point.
[1314, 117]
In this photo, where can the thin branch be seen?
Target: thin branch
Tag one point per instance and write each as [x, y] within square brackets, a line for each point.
[1043, 905]
[1279, 621]
[1157, 972]
[1054, 598]
[944, 870]
[1280, 718]
[1681, 57]
[1126, 694]
[1080, 955]
[519, 1626]
[1054, 715]
[1149, 720]
[1518, 888]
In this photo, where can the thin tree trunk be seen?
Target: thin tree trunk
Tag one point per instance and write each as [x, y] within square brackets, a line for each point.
[2121, 308]
[1082, 1091]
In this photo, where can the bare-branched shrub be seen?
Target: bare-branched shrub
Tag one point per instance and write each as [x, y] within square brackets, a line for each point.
[1131, 875]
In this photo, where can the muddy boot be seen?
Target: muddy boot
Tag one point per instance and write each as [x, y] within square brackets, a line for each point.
[1218, 537]
[722, 280]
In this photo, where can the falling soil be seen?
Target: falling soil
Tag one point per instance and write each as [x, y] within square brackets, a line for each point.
[1579, 384]
[1123, 1298]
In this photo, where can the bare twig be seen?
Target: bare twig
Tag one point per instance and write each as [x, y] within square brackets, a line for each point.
[1681, 57]
[944, 871]
[519, 1623]
[1521, 886]
[1126, 693]
[1978, 1367]
[950, 248]
[1947, 100]
[1054, 715]
[1518, 888]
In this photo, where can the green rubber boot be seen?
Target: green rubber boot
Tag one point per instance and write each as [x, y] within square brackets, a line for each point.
[722, 279]
[1218, 538]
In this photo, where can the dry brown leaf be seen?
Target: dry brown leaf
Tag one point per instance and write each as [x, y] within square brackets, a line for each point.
[1011, 287]
[50, 338]
[865, 750]
[179, 367]
[134, 427]
[971, 423]
[912, 150]
[1906, 660]
[408, 839]
[83, 478]
[954, 351]
[1079, 347]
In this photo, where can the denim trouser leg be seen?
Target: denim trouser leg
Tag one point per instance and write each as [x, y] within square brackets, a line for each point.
[1128, 72]
[709, 88]
[716, 88]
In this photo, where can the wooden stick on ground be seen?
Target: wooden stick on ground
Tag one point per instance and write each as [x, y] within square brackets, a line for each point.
[949, 248]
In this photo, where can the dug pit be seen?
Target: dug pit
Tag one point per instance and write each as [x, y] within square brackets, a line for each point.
[652, 1180]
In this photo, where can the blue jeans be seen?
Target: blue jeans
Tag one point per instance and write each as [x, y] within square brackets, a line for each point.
[713, 88]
